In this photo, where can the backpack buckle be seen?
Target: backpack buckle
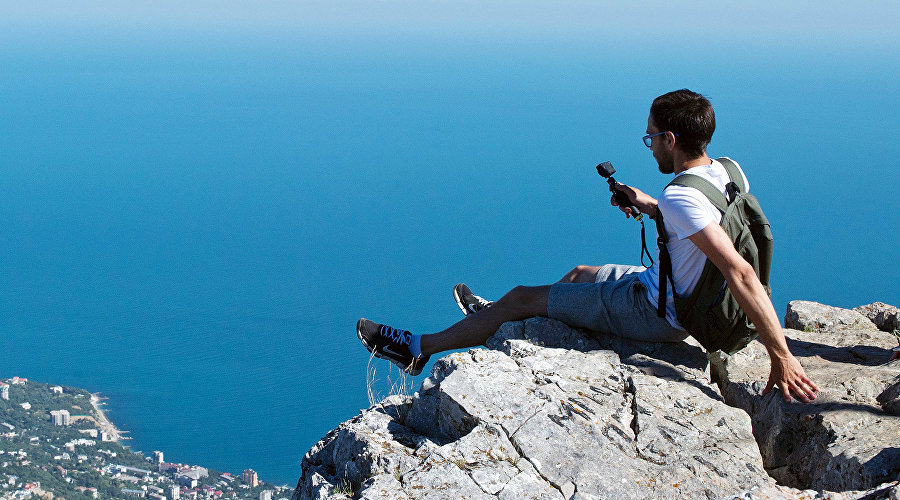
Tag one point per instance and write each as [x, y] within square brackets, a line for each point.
[731, 191]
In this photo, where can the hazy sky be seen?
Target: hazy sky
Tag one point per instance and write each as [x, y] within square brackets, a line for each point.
[654, 18]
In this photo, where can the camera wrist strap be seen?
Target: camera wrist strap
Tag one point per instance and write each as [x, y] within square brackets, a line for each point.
[644, 250]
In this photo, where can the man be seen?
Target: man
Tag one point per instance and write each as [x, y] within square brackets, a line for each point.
[621, 300]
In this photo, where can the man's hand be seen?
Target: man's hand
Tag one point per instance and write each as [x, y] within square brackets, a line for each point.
[790, 377]
[643, 201]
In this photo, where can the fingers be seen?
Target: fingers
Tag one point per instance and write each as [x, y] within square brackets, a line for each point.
[805, 395]
[627, 211]
[791, 380]
[808, 389]
[804, 387]
[800, 387]
[812, 385]
[627, 190]
[786, 393]
[805, 391]
[798, 394]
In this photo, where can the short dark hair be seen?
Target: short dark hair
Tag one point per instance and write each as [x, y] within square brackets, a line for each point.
[688, 114]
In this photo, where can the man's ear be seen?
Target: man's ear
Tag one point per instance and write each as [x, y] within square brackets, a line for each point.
[670, 140]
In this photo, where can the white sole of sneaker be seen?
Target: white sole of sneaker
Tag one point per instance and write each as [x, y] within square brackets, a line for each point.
[459, 302]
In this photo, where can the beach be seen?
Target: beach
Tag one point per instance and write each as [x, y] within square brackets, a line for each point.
[102, 421]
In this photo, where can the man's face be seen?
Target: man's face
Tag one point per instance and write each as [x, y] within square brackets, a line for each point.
[664, 158]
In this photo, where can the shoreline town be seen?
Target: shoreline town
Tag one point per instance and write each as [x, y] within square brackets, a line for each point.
[50, 448]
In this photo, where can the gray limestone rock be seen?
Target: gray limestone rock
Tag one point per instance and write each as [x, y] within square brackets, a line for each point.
[531, 420]
[812, 316]
[844, 440]
[886, 317]
[890, 398]
[887, 491]
[548, 412]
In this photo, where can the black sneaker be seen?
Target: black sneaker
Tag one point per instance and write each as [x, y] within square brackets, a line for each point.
[391, 344]
[468, 302]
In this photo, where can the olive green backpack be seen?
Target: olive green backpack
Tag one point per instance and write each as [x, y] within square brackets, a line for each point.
[711, 314]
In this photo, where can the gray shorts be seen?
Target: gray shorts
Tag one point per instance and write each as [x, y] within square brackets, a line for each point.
[616, 303]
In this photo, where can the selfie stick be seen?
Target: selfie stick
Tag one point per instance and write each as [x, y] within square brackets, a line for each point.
[606, 170]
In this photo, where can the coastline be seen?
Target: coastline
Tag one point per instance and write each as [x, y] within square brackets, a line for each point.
[78, 452]
[103, 421]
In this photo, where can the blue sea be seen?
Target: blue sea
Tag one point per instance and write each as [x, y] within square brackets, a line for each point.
[199, 199]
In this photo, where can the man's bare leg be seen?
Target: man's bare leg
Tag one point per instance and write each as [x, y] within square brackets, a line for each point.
[581, 274]
[520, 303]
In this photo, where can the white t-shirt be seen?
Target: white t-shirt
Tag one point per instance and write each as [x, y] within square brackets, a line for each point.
[685, 211]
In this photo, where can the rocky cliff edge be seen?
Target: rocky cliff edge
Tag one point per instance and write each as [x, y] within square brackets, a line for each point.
[548, 412]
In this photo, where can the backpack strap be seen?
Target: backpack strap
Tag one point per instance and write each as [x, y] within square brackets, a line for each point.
[665, 265]
[704, 186]
[734, 174]
[712, 193]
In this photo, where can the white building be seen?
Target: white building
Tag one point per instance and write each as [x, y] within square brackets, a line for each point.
[194, 472]
[70, 446]
[60, 417]
[265, 495]
[56, 389]
[175, 492]
[4, 391]
[90, 432]
[158, 457]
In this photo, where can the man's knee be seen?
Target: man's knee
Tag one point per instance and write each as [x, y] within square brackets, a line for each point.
[527, 299]
[581, 274]
[519, 295]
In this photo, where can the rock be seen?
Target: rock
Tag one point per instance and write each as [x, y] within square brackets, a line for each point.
[548, 412]
[844, 440]
[532, 421]
[887, 491]
[884, 316]
[890, 398]
[812, 316]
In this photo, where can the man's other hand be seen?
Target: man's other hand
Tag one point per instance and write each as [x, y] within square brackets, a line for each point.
[790, 377]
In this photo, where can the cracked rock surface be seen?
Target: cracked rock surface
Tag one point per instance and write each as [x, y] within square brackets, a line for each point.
[849, 437]
[529, 420]
[548, 412]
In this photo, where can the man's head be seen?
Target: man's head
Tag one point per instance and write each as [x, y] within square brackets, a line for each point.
[689, 117]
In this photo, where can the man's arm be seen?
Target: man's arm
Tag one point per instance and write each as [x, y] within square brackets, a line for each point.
[785, 371]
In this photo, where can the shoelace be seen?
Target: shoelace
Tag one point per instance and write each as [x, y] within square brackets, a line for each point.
[395, 335]
[399, 337]
[478, 303]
